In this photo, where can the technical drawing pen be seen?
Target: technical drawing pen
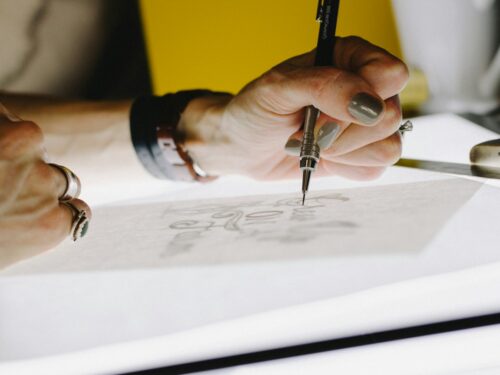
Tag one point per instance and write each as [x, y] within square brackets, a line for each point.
[309, 152]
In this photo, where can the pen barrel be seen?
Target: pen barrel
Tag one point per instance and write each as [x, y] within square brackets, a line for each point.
[326, 37]
[310, 117]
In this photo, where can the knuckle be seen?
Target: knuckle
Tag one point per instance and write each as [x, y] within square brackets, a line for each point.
[18, 139]
[323, 80]
[266, 84]
[353, 39]
[272, 77]
[395, 71]
[28, 130]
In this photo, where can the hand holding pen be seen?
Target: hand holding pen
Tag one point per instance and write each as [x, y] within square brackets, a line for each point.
[356, 130]
[326, 15]
[363, 106]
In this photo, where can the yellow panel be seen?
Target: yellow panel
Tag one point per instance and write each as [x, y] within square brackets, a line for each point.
[223, 44]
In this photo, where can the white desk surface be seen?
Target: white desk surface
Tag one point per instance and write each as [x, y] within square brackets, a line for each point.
[118, 325]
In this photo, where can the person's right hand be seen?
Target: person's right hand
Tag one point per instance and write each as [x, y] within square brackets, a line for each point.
[32, 219]
[360, 117]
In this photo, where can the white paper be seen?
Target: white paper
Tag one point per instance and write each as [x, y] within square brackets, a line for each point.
[82, 310]
[400, 218]
[54, 320]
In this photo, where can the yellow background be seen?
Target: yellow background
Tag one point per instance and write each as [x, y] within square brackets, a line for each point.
[223, 44]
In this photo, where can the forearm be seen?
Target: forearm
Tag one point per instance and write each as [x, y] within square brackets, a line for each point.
[92, 138]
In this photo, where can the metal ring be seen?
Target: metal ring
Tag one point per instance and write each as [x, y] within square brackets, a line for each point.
[80, 224]
[73, 185]
[407, 126]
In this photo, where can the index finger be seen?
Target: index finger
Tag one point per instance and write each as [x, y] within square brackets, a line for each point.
[386, 74]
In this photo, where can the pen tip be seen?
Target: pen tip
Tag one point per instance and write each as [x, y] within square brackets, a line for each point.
[306, 177]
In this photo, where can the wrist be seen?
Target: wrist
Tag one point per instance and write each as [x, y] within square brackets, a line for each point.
[206, 142]
[160, 141]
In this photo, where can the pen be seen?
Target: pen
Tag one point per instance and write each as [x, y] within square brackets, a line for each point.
[326, 15]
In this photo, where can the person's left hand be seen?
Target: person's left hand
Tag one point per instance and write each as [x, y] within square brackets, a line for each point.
[246, 134]
[33, 219]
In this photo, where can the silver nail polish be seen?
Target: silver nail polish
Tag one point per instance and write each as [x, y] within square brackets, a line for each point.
[365, 108]
[327, 134]
[292, 147]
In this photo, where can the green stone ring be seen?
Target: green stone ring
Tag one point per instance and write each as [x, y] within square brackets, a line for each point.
[80, 224]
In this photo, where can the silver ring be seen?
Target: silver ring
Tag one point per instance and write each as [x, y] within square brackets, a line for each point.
[407, 126]
[80, 224]
[73, 185]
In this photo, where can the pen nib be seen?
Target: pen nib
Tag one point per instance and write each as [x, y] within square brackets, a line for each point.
[306, 177]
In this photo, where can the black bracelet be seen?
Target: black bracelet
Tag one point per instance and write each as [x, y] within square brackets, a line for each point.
[153, 127]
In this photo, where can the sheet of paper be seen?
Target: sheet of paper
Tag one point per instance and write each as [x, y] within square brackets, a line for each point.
[444, 137]
[400, 218]
[94, 307]
[93, 316]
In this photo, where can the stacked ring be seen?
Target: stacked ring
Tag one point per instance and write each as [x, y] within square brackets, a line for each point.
[80, 223]
[73, 185]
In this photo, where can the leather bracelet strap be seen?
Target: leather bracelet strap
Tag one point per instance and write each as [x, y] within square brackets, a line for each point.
[158, 144]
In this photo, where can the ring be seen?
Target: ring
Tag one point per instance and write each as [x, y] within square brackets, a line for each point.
[80, 224]
[407, 126]
[73, 185]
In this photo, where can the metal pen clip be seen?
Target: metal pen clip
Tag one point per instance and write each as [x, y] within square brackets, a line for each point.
[320, 13]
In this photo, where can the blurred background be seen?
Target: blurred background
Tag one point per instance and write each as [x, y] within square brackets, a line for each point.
[224, 44]
[110, 49]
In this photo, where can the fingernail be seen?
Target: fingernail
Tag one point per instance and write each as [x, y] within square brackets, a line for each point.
[365, 108]
[327, 134]
[292, 147]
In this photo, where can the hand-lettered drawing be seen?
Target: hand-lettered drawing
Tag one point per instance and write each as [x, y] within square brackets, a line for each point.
[369, 221]
[283, 221]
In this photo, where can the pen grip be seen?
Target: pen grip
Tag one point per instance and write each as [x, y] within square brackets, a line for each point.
[310, 116]
[309, 147]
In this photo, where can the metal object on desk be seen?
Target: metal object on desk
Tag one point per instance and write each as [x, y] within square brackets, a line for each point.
[486, 154]
[484, 157]
[451, 168]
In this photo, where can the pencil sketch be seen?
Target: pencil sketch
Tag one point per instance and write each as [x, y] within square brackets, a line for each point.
[368, 221]
[285, 221]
